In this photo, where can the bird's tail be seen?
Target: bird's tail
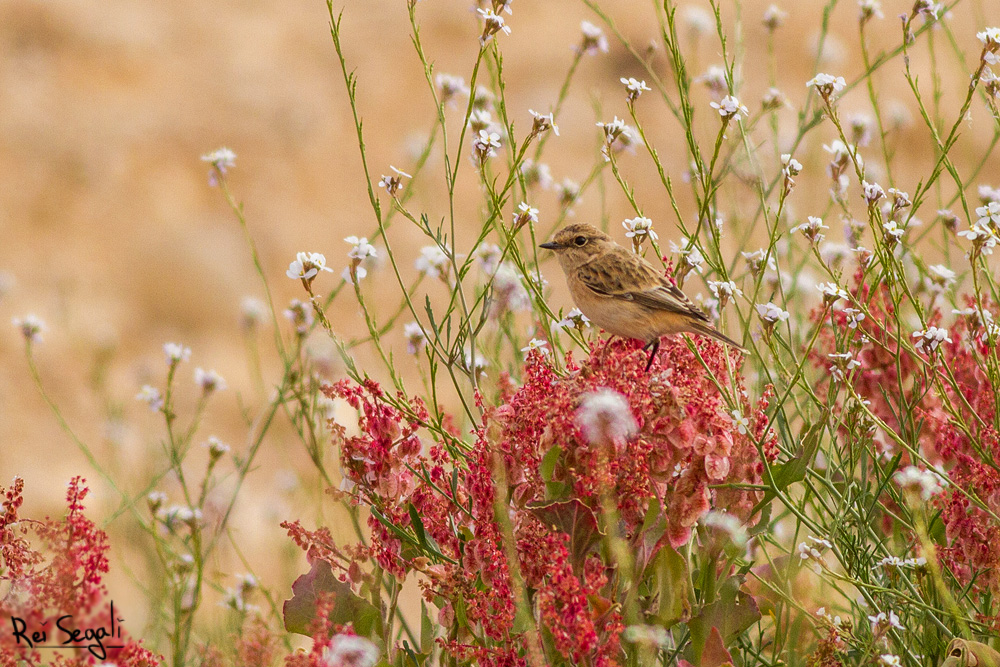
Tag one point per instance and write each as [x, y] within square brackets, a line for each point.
[710, 331]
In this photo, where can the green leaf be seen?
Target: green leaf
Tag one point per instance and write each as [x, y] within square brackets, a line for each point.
[300, 611]
[575, 519]
[672, 584]
[734, 611]
[794, 470]
[427, 627]
[548, 465]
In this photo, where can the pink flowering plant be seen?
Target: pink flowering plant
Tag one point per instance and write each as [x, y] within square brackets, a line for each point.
[500, 484]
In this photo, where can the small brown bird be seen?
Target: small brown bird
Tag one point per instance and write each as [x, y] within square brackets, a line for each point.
[624, 294]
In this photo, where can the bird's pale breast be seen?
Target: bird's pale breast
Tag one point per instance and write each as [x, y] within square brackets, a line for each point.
[620, 317]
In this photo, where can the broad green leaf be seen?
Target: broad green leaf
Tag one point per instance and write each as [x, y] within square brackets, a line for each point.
[734, 611]
[672, 585]
[300, 611]
[575, 519]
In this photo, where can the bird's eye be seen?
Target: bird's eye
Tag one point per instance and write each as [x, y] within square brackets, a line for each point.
[580, 240]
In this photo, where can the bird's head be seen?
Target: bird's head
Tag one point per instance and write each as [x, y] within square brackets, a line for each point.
[579, 243]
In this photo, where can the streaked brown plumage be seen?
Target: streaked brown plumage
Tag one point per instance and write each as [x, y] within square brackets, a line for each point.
[624, 294]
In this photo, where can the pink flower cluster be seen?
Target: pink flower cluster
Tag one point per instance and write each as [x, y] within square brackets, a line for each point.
[550, 472]
[955, 430]
[63, 576]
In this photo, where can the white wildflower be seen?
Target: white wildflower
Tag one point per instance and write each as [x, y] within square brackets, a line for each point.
[350, 651]
[492, 24]
[873, 192]
[791, 166]
[730, 107]
[755, 261]
[485, 145]
[831, 293]
[741, 423]
[575, 319]
[306, 266]
[300, 313]
[639, 229]
[882, 621]
[697, 20]
[714, 79]
[394, 183]
[925, 482]
[843, 363]
[940, 276]
[221, 160]
[811, 229]
[771, 314]
[604, 417]
[451, 86]
[525, 214]
[854, 317]
[488, 255]
[724, 291]
[930, 338]
[536, 174]
[536, 345]
[216, 448]
[634, 88]
[432, 262]
[543, 123]
[827, 84]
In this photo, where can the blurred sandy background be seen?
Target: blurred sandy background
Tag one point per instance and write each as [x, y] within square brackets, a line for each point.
[114, 237]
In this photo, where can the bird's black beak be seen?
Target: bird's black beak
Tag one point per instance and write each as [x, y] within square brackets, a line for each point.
[550, 246]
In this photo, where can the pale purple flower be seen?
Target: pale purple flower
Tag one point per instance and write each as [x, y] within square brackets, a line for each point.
[151, 396]
[774, 17]
[209, 381]
[593, 40]
[415, 338]
[451, 86]
[176, 353]
[221, 160]
[31, 327]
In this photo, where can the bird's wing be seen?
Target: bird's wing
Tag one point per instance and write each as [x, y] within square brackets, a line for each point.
[624, 275]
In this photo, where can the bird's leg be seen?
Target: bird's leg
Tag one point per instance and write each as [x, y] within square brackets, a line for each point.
[607, 346]
[653, 346]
